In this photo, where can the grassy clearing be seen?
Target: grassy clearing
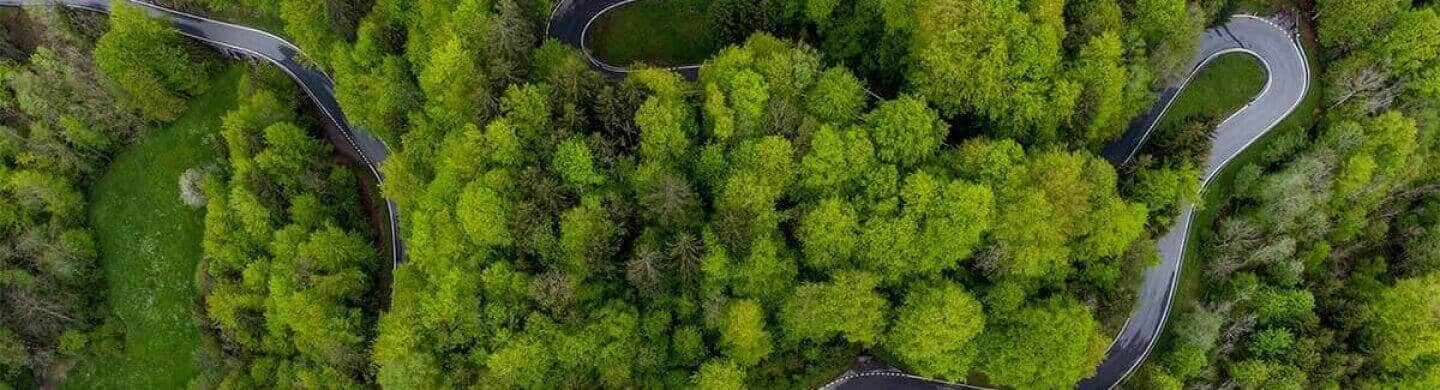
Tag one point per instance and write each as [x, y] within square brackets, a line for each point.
[655, 32]
[1225, 85]
[149, 244]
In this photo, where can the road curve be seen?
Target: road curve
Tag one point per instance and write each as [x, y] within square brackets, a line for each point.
[1287, 81]
[250, 42]
[571, 19]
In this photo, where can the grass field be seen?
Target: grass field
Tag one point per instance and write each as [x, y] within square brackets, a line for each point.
[655, 32]
[1225, 84]
[149, 244]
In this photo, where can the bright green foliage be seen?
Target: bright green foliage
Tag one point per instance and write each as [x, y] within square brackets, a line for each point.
[1279, 306]
[150, 62]
[744, 230]
[585, 236]
[662, 130]
[484, 212]
[289, 270]
[837, 96]
[1261, 374]
[305, 22]
[1405, 322]
[1269, 342]
[828, 235]
[1350, 23]
[742, 333]
[720, 375]
[1101, 110]
[904, 131]
[836, 161]
[847, 306]
[452, 84]
[289, 154]
[1051, 344]
[934, 331]
[573, 163]
[997, 61]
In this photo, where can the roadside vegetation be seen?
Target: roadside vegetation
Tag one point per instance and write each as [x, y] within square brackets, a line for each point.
[1317, 259]
[63, 113]
[289, 255]
[653, 32]
[149, 242]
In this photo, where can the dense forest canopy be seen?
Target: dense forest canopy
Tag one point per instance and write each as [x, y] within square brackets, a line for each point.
[59, 122]
[912, 179]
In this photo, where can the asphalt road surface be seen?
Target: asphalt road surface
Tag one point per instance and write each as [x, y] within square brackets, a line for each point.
[249, 42]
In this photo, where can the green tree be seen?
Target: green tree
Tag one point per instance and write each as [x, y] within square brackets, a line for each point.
[150, 62]
[905, 131]
[934, 331]
[1050, 344]
[836, 97]
[1404, 321]
[573, 163]
[995, 61]
[720, 375]
[742, 334]
[484, 213]
[828, 234]
[1351, 23]
[847, 306]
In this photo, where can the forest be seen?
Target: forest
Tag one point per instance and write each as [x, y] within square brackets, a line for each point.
[914, 180]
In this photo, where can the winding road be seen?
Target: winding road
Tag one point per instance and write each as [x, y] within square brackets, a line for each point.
[1278, 49]
[249, 42]
[1288, 80]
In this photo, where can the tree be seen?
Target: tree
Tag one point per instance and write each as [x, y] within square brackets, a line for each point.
[289, 155]
[742, 333]
[585, 237]
[1270, 342]
[837, 96]
[1351, 23]
[1101, 111]
[934, 331]
[484, 213]
[148, 60]
[847, 306]
[1281, 306]
[307, 23]
[1050, 344]
[455, 89]
[992, 60]
[1404, 322]
[905, 131]
[828, 234]
[662, 135]
[573, 163]
[720, 375]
